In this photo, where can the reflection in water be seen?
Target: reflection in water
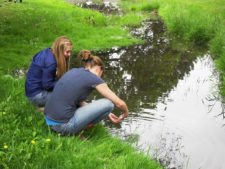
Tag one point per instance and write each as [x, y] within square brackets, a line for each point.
[176, 113]
[189, 135]
[142, 74]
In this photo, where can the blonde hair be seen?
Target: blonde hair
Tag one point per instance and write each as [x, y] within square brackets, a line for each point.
[58, 48]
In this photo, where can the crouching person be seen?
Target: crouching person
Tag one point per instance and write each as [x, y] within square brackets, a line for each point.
[67, 113]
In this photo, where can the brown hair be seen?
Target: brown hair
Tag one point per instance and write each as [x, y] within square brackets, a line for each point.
[84, 54]
[90, 60]
[58, 48]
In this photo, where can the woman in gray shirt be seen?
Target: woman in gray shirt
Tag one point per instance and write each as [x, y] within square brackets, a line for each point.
[67, 113]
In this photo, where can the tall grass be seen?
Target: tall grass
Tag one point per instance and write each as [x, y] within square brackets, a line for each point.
[138, 5]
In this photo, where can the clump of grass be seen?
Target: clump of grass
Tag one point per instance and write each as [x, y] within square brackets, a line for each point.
[150, 6]
[218, 50]
[139, 5]
[188, 23]
[217, 44]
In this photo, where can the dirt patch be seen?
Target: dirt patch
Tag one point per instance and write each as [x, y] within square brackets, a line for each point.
[104, 6]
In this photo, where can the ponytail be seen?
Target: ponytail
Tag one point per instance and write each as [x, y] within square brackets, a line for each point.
[89, 60]
[84, 55]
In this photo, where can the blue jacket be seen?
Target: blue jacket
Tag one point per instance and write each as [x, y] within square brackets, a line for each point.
[41, 74]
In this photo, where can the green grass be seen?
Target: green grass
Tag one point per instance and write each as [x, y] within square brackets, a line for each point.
[28, 27]
[138, 5]
[25, 140]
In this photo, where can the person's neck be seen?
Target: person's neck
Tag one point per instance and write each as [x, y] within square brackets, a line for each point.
[94, 70]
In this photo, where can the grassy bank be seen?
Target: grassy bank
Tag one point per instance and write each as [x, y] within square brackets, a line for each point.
[25, 140]
[199, 22]
[32, 25]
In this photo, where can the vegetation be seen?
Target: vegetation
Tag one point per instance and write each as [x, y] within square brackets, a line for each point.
[30, 26]
[200, 22]
[25, 140]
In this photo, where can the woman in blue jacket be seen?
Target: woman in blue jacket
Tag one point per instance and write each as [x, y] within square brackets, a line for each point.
[67, 113]
[46, 68]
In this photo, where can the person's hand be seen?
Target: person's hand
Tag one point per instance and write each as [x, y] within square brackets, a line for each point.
[123, 116]
[114, 119]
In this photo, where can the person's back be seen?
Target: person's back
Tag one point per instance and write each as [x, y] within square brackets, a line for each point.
[67, 113]
[73, 88]
[46, 68]
[35, 82]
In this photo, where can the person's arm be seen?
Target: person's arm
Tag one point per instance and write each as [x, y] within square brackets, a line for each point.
[105, 91]
[49, 65]
[83, 103]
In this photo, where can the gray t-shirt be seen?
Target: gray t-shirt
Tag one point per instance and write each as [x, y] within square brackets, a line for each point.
[72, 88]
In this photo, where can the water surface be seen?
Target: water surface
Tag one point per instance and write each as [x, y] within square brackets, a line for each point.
[175, 109]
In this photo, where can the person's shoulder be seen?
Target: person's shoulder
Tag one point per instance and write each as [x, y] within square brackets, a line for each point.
[44, 52]
[80, 69]
[44, 57]
[74, 71]
[48, 57]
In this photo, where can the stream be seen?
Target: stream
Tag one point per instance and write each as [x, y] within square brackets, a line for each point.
[176, 113]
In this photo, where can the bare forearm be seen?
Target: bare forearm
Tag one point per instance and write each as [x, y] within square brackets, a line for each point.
[123, 107]
[119, 103]
[83, 103]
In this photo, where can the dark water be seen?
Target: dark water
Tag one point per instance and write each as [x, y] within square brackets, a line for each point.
[176, 114]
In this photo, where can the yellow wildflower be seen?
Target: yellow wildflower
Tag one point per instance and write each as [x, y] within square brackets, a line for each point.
[48, 140]
[5, 146]
[2, 113]
[33, 141]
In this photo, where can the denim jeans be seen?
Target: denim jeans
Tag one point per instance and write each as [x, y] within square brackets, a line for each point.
[91, 113]
[40, 99]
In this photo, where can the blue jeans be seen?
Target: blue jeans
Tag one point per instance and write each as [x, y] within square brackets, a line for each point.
[40, 99]
[91, 113]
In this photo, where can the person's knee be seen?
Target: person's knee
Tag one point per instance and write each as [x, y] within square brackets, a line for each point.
[108, 103]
